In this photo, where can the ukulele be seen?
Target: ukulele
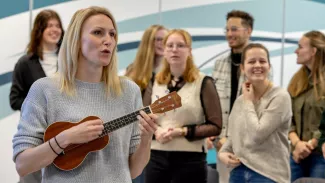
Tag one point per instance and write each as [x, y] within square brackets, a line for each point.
[74, 154]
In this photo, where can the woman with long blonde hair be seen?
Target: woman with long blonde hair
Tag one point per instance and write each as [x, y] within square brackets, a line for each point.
[307, 89]
[148, 59]
[87, 84]
[178, 152]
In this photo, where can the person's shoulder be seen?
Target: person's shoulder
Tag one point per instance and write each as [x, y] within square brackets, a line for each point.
[45, 83]
[41, 89]
[128, 85]
[278, 91]
[280, 95]
[26, 58]
[223, 57]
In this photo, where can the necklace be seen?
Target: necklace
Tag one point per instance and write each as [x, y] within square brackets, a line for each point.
[269, 85]
[235, 64]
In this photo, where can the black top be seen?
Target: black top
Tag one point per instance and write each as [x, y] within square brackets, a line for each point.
[235, 70]
[27, 71]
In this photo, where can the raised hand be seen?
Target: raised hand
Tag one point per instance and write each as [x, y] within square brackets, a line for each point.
[248, 91]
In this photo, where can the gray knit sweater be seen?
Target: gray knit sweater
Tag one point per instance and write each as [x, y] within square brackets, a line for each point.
[259, 134]
[45, 105]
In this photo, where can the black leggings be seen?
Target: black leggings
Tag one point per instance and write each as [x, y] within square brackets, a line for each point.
[176, 167]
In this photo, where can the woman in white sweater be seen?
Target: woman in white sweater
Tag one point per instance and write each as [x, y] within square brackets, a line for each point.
[258, 147]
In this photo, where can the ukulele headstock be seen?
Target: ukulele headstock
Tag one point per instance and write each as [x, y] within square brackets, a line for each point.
[166, 103]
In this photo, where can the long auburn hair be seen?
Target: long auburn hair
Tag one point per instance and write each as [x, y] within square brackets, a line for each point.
[300, 81]
[140, 71]
[40, 24]
[71, 50]
[191, 71]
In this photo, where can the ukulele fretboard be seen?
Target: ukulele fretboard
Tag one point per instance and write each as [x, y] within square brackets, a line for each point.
[123, 121]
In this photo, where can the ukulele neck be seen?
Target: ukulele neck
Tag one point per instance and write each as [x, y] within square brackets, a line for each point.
[123, 121]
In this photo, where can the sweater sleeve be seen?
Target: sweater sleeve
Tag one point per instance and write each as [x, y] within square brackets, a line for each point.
[277, 112]
[32, 123]
[135, 137]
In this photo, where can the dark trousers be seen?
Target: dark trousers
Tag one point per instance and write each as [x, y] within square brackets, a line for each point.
[176, 167]
[139, 179]
[312, 166]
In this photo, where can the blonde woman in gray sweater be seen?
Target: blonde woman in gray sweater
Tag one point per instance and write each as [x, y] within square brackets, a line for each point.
[258, 147]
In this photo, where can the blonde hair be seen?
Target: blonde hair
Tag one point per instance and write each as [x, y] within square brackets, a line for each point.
[300, 81]
[191, 71]
[71, 48]
[141, 69]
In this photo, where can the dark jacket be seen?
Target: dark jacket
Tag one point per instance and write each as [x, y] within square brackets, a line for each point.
[321, 140]
[27, 71]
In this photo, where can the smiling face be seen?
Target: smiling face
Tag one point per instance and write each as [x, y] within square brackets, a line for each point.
[52, 32]
[256, 65]
[236, 34]
[176, 50]
[98, 40]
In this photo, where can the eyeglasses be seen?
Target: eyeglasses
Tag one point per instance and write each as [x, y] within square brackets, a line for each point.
[233, 29]
[179, 46]
[159, 39]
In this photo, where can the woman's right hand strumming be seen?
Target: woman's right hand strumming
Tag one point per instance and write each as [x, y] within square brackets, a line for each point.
[84, 132]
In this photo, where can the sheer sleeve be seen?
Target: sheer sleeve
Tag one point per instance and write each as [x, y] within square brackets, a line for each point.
[212, 110]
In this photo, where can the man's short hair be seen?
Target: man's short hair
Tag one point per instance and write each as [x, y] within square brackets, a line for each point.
[247, 19]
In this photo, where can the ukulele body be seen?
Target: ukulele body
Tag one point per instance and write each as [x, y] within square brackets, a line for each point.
[74, 154]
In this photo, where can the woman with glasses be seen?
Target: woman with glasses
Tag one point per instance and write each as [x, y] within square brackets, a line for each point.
[178, 152]
[148, 59]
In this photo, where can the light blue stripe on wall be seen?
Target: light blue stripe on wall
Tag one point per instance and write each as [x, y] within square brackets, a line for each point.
[12, 7]
[301, 15]
[5, 109]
